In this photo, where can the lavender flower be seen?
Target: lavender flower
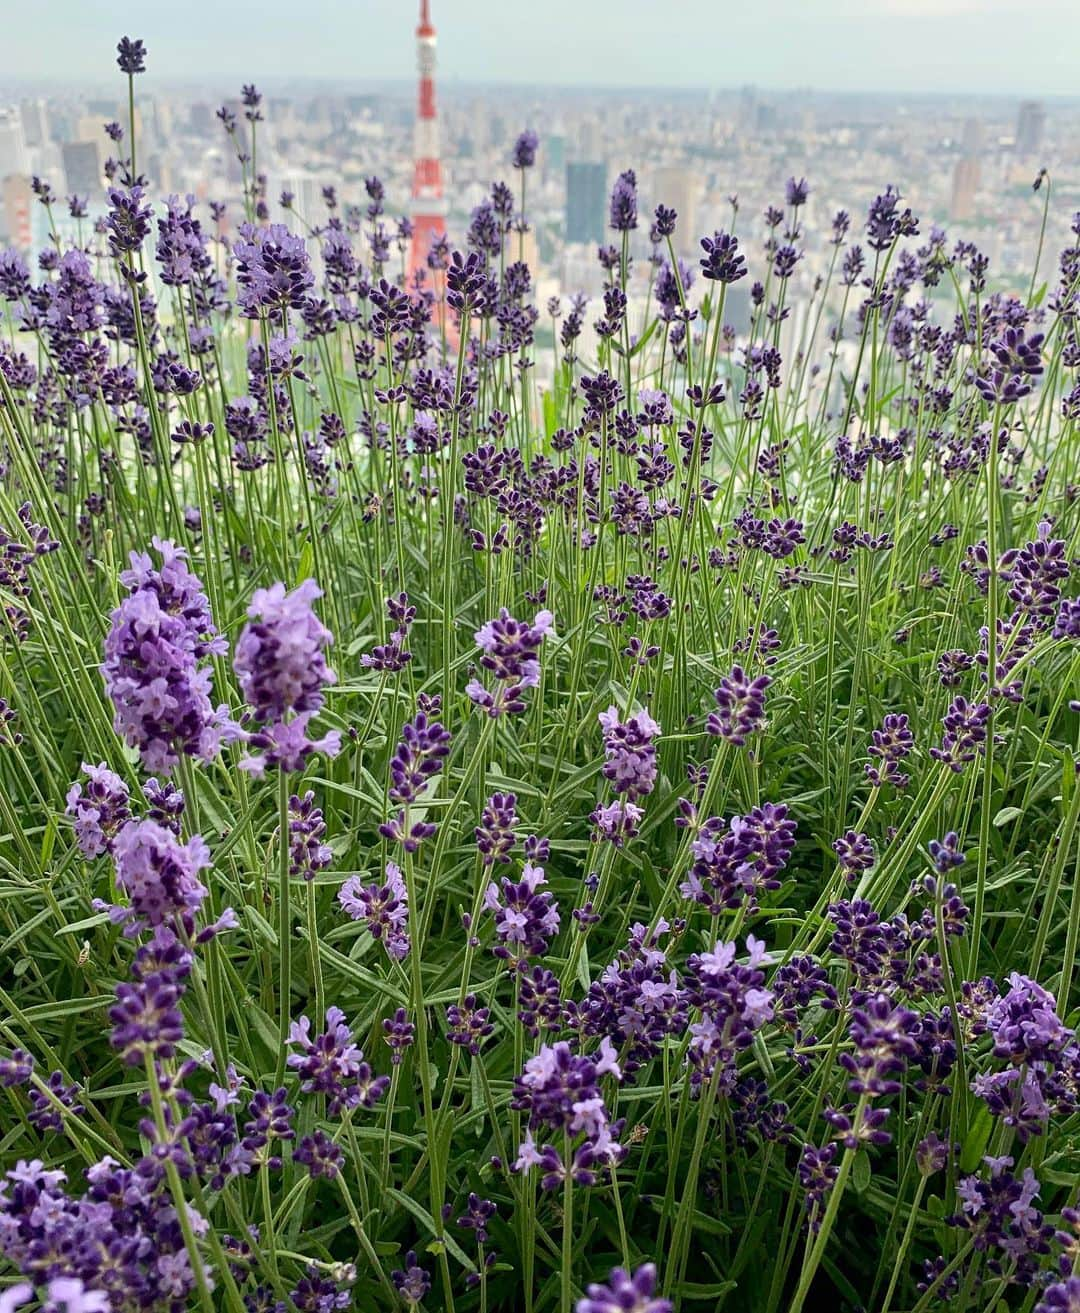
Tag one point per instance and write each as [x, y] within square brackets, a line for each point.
[282, 670]
[630, 752]
[965, 727]
[509, 650]
[623, 210]
[741, 703]
[526, 919]
[333, 1065]
[525, 149]
[307, 853]
[411, 1282]
[100, 808]
[131, 56]
[157, 637]
[625, 1293]
[384, 908]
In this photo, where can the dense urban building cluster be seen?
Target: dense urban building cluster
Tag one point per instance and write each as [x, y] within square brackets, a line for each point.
[718, 158]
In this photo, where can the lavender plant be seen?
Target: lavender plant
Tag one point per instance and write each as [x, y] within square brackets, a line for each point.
[668, 899]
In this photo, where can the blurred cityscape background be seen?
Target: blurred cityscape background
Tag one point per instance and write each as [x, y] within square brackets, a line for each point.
[963, 162]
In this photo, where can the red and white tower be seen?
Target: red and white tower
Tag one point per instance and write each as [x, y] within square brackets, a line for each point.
[428, 205]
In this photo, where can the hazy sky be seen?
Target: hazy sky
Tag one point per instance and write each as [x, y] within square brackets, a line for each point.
[978, 46]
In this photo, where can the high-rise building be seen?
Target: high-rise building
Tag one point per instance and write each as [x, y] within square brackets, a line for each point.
[12, 144]
[586, 201]
[973, 137]
[1030, 122]
[35, 122]
[18, 202]
[965, 185]
[553, 157]
[677, 189]
[428, 203]
[590, 145]
[82, 168]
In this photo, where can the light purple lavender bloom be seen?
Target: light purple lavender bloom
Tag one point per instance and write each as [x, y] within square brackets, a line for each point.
[631, 752]
[509, 650]
[158, 635]
[383, 908]
[100, 807]
[625, 1293]
[281, 666]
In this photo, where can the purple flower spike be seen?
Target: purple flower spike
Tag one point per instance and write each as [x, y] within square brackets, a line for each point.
[158, 636]
[624, 213]
[332, 1064]
[741, 703]
[625, 1293]
[418, 758]
[159, 874]
[282, 670]
[100, 808]
[384, 908]
[630, 751]
[509, 650]
[965, 725]
[131, 55]
[525, 149]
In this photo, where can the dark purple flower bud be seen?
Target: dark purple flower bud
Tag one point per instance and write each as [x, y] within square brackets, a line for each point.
[965, 726]
[889, 746]
[623, 210]
[741, 703]
[146, 1016]
[854, 853]
[307, 853]
[131, 56]
[399, 1034]
[495, 834]
[418, 758]
[525, 149]
[467, 1024]
[128, 223]
[945, 853]
[270, 1122]
[817, 1175]
[722, 261]
[412, 1282]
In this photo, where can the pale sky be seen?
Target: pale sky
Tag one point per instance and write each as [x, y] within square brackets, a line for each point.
[983, 47]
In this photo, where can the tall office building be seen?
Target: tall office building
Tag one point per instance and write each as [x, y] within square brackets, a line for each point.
[82, 168]
[973, 137]
[586, 201]
[1030, 122]
[965, 185]
[18, 201]
[677, 189]
[13, 157]
[35, 122]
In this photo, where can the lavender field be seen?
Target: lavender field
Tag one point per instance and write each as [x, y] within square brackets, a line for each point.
[470, 844]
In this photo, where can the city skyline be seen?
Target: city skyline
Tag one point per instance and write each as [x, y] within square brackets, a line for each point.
[1008, 48]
